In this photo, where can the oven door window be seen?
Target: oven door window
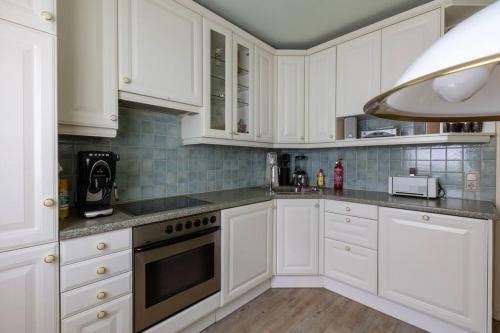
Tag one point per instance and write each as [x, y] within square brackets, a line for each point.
[175, 274]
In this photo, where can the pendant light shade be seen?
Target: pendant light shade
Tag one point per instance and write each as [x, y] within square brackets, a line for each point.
[456, 79]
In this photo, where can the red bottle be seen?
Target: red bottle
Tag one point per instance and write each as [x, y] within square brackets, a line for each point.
[338, 175]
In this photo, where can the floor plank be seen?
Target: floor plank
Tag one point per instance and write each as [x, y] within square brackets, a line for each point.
[308, 310]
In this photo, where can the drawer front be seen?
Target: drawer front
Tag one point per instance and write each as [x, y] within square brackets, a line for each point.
[351, 209]
[80, 299]
[112, 317]
[85, 272]
[84, 248]
[351, 264]
[350, 229]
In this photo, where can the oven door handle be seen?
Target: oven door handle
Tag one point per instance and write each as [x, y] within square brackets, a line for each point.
[175, 240]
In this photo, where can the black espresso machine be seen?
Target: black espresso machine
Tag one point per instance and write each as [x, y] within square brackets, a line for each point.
[96, 182]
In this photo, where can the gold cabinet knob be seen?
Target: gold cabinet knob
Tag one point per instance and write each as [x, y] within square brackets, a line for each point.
[331, 136]
[49, 259]
[49, 202]
[347, 248]
[101, 314]
[101, 246]
[316, 205]
[113, 117]
[47, 16]
[100, 270]
[348, 209]
[101, 295]
[426, 217]
[348, 220]
[126, 80]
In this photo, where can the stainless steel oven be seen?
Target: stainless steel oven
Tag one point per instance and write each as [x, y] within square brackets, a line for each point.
[176, 264]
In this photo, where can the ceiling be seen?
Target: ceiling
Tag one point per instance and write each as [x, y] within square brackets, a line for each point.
[301, 24]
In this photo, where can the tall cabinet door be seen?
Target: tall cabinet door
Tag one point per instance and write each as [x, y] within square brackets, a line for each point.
[247, 249]
[358, 73]
[36, 14]
[29, 290]
[243, 89]
[291, 99]
[217, 65]
[87, 62]
[322, 70]
[28, 135]
[403, 42]
[436, 264]
[297, 237]
[264, 95]
[160, 50]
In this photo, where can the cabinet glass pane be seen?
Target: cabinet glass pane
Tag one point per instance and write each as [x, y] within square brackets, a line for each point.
[243, 97]
[217, 81]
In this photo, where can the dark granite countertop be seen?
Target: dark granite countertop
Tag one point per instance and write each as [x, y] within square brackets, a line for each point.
[75, 226]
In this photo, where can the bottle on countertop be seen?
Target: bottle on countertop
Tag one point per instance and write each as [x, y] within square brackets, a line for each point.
[63, 199]
[320, 179]
[338, 175]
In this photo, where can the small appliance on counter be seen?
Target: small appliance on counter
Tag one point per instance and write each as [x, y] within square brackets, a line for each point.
[415, 186]
[96, 181]
[300, 177]
[284, 169]
[380, 133]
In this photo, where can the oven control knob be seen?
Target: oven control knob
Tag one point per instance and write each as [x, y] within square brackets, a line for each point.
[169, 229]
[197, 223]
[189, 224]
[213, 218]
[178, 227]
[205, 221]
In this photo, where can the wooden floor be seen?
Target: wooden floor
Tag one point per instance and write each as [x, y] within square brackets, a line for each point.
[308, 311]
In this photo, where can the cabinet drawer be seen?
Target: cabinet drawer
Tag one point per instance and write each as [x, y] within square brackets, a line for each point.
[78, 300]
[351, 209]
[351, 264]
[85, 272]
[79, 249]
[350, 229]
[115, 316]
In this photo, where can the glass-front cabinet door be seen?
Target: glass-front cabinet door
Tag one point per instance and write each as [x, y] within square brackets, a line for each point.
[217, 45]
[243, 62]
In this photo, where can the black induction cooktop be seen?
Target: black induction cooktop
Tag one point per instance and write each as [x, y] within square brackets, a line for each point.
[160, 205]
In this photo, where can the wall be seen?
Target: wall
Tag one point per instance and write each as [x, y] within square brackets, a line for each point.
[369, 168]
[154, 163]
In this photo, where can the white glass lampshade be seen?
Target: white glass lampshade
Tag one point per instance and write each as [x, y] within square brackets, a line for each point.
[456, 79]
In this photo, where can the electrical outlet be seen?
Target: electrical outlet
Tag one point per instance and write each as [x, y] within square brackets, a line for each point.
[472, 181]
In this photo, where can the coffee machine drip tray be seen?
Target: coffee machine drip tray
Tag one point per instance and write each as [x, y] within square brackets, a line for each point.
[160, 205]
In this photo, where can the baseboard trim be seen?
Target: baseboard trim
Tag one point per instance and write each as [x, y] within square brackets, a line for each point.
[297, 281]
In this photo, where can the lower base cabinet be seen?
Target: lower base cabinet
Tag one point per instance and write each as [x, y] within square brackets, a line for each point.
[112, 317]
[29, 290]
[247, 247]
[436, 264]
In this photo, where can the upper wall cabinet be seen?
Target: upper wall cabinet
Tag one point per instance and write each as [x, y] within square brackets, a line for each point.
[37, 14]
[27, 130]
[243, 88]
[358, 73]
[291, 99]
[322, 67]
[87, 62]
[160, 54]
[403, 42]
[264, 95]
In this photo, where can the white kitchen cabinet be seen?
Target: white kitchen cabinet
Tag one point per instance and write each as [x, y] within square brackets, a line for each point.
[160, 53]
[29, 290]
[358, 73]
[322, 72]
[297, 237]
[27, 131]
[87, 62]
[112, 317]
[247, 247]
[436, 264]
[36, 14]
[264, 95]
[403, 42]
[351, 264]
[291, 99]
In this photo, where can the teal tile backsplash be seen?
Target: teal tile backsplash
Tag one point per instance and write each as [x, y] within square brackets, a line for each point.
[154, 163]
